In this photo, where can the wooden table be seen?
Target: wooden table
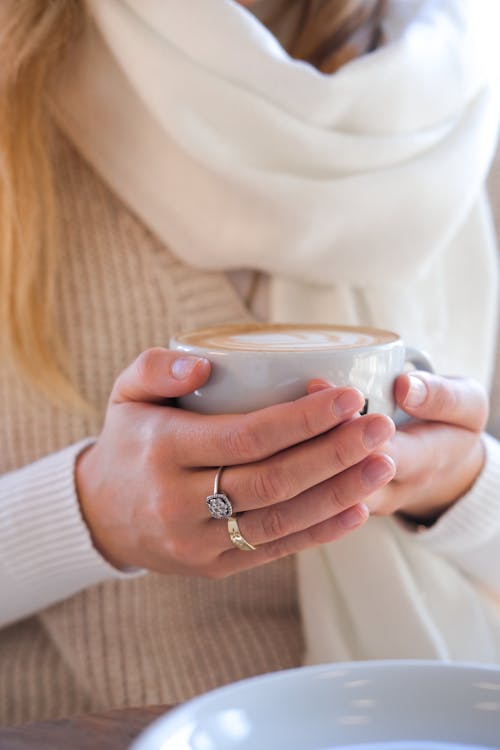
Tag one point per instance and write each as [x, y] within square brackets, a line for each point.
[113, 730]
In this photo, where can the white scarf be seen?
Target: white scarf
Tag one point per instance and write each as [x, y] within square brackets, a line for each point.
[360, 193]
[343, 187]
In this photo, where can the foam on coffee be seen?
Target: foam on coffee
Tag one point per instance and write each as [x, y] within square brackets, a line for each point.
[286, 337]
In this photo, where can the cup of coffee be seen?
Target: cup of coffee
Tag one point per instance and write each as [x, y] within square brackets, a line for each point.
[259, 364]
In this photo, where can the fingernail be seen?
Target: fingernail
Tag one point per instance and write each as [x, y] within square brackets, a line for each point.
[376, 471]
[377, 432]
[182, 368]
[417, 393]
[347, 402]
[354, 516]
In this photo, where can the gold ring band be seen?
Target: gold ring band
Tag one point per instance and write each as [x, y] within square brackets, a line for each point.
[237, 537]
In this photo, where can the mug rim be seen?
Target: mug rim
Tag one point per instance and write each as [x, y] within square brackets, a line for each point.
[182, 340]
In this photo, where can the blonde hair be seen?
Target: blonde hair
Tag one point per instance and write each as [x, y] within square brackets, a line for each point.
[33, 34]
[33, 38]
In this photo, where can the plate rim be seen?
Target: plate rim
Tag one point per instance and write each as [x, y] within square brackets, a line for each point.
[175, 715]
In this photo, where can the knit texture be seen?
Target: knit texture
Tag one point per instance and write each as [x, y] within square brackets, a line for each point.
[152, 639]
[46, 551]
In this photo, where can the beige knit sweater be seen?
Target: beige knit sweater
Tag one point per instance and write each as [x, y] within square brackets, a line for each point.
[138, 640]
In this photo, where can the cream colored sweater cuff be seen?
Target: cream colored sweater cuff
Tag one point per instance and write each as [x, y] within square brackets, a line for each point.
[46, 553]
[469, 533]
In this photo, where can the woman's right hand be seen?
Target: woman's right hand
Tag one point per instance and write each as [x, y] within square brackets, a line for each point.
[297, 472]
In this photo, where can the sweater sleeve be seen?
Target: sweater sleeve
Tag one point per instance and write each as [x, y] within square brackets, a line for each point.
[46, 552]
[468, 534]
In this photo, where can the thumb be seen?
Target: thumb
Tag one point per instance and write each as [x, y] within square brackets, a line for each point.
[158, 374]
[459, 401]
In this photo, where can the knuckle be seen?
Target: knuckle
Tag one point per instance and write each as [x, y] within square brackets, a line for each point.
[175, 550]
[444, 398]
[146, 363]
[175, 510]
[154, 504]
[315, 535]
[341, 458]
[277, 549]
[270, 485]
[168, 506]
[460, 396]
[242, 443]
[149, 517]
[152, 452]
[334, 498]
[324, 532]
[308, 425]
[272, 524]
[184, 551]
[178, 552]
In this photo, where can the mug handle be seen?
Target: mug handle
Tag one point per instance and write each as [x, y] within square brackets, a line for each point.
[419, 359]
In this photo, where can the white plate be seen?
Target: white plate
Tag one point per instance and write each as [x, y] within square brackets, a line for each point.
[377, 705]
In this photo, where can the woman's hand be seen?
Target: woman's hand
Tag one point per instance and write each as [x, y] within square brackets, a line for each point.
[296, 480]
[439, 457]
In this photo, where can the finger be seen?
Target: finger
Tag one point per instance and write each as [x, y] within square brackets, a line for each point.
[458, 401]
[234, 560]
[158, 374]
[292, 472]
[422, 450]
[436, 464]
[229, 439]
[200, 543]
[318, 504]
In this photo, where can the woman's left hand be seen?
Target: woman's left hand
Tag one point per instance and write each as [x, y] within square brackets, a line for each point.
[438, 457]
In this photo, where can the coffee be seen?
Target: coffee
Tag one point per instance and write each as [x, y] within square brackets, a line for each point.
[283, 337]
[257, 365]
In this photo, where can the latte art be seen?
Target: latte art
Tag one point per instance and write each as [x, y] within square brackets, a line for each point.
[256, 365]
[287, 338]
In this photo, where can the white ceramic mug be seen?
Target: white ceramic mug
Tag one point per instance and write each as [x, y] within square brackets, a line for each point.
[257, 365]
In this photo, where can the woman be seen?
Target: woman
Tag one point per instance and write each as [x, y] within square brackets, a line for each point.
[182, 133]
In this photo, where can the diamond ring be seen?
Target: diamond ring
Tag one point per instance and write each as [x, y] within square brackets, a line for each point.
[218, 503]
